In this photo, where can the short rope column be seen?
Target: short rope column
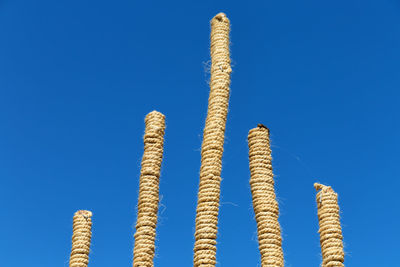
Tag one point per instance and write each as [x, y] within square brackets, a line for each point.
[330, 231]
[82, 234]
[148, 201]
[212, 147]
[264, 200]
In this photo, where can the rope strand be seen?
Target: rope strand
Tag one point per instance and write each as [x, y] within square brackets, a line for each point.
[212, 147]
[82, 233]
[144, 247]
[264, 200]
[330, 231]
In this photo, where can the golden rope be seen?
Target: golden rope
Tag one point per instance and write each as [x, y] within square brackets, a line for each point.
[212, 147]
[264, 200]
[82, 233]
[330, 231]
[143, 252]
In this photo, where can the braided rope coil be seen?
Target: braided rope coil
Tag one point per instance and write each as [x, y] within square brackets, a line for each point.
[330, 231]
[212, 146]
[82, 234]
[148, 201]
[264, 200]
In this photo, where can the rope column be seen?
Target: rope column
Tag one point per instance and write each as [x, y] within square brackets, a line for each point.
[82, 234]
[264, 200]
[330, 231]
[144, 248]
[212, 146]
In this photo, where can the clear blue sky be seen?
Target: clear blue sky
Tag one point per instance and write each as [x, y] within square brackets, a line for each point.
[78, 77]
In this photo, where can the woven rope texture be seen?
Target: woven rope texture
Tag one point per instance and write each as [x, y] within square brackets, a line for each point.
[330, 231]
[264, 199]
[212, 147]
[82, 233]
[143, 252]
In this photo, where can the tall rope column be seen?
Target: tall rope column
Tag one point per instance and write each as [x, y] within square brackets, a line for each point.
[330, 231]
[143, 252]
[82, 234]
[212, 147]
[264, 200]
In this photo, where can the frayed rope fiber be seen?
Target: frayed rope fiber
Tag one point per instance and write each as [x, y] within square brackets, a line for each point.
[264, 200]
[82, 234]
[330, 231]
[143, 252]
[212, 147]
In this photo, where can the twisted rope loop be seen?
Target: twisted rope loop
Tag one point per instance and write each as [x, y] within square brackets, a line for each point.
[82, 233]
[264, 200]
[143, 252]
[330, 231]
[212, 147]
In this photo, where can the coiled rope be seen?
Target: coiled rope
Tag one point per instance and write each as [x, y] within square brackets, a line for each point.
[82, 234]
[264, 200]
[144, 247]
[212, 147]
[330, 231]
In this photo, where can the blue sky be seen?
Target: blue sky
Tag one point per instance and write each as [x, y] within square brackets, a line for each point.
[78, 77]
